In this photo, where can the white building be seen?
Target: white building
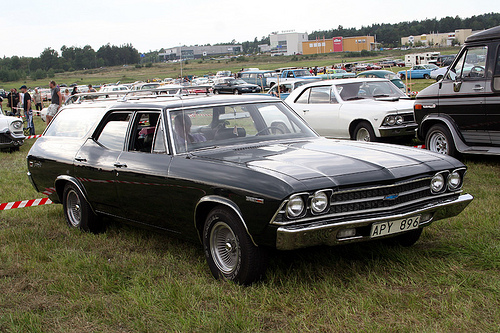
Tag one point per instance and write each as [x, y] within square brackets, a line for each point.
[287, 42]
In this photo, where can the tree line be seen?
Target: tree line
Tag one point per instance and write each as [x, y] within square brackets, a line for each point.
[389, 35]
[70, 58]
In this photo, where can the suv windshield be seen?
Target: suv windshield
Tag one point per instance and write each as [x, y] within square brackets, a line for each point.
[209, 127]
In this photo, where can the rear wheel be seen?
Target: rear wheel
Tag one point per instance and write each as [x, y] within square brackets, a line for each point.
[236, 92]
[77, 210]
[364, 132]
[216, 92]
[427, 76]
[439, 140]
[229, 250]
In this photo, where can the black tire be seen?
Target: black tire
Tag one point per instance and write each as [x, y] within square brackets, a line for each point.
[78, 212]
[236, 92]
[427, 76]
[438, 139]
[439, 78]
[403, 76]
[407, 239]
[216, 92]
[229, 250]
[364, 132]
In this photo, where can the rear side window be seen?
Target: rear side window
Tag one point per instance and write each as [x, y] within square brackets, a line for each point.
[114, 130]
[74, 122]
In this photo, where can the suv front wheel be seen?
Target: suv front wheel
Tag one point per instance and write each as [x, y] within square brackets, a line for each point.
[439, 140]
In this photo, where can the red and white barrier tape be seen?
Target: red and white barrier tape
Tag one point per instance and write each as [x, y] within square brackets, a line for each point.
[32, 136]
[419, 146]
[25, 203]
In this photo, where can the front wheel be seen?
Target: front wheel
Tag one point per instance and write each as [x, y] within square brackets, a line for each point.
[439, 140]
[77, 210]
[364, 132]
[229, 250]
[236, 92]
[216, 92]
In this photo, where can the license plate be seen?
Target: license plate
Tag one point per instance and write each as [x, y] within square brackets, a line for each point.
[394, 227]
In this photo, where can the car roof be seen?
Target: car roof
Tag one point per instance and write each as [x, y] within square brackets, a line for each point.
[492, 33]
[377, 71]
[344, 81]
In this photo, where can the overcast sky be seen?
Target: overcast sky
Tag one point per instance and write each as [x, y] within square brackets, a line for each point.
[28, 28]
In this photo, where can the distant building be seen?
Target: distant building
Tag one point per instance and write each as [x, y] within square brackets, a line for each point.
[197, 52]
[287, 42]
[438, 39]
[339, 44]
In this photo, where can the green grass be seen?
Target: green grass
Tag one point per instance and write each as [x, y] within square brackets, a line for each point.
[54, 279]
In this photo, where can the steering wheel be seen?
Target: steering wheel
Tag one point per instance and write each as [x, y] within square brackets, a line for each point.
[270, 127]
[476, 71]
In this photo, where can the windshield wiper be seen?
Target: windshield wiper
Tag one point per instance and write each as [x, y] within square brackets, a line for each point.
[354, 98]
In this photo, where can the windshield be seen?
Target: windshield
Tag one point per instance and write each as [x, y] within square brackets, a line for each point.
[302, 72]
[370, 90]
[237, 82]
[209, 127]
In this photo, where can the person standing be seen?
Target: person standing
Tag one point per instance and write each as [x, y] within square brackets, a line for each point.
[28, 112]
[55, 102]
[37, 100]
[74, 91]
[91, 89]
[66, 95]
[12, 101]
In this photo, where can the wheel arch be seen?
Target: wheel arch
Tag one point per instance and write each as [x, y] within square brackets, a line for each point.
[435, 119]
[206, 204]
[356, 122]
[60, 184]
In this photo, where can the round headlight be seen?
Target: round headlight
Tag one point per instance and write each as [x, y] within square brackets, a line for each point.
[399, 120]
[295, 206]
[454, 180]
[17, 124]
[437, 183]
[319, 202]
[390, 120]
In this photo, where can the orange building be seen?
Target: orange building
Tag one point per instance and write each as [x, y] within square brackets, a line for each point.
[339, 44]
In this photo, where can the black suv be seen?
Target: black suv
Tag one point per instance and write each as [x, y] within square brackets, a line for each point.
[461, 113]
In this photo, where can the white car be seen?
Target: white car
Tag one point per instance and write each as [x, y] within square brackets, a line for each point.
[439, 73]
[358, 109]
[114, 88]
[11, 132]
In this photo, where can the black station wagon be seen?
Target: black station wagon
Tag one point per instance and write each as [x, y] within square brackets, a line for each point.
[240, 174]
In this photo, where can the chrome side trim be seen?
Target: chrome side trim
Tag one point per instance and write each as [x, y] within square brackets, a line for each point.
[226, 202]
[313, 234]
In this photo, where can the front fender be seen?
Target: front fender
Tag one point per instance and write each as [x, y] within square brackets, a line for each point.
[431, 119]
[59, 185]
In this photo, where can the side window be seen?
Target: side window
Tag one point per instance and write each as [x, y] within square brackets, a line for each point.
[304, 97]
[143, 130]
[320, 95]
[112, 135]
[160, 146]
[472, 64]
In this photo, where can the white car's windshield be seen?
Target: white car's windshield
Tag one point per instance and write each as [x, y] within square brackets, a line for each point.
[371, 90]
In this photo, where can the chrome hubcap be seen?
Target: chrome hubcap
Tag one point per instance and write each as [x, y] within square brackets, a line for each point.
[224, 248]
[73, 208]
[363, 135]
[438, 143]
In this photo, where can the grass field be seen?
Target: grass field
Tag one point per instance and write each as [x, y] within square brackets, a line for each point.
[53, 279]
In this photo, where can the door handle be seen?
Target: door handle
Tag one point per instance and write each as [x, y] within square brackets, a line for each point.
[80, 159]
[477, 88]
[306, 110]
[120, 165]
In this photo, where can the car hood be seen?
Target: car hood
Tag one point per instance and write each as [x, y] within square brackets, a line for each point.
[340, 161]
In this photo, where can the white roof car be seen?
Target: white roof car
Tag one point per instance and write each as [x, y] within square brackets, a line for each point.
[362, 109]
[114, 88]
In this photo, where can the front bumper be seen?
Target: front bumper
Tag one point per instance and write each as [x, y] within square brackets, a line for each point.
[292, 237]
[11, 140]
[403, 130]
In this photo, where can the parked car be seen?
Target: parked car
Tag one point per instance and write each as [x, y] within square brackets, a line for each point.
[335, 73]
[239, 174]
[357, 109]
[384, 74]
[234, 86]
[3, 94]
[11, 132]
[418, 72]
[445, 60]
[286, 88]
[400, 62]
[439, 73]
[113, 88]
[145, 86]
[387, 63]
[461, 113]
